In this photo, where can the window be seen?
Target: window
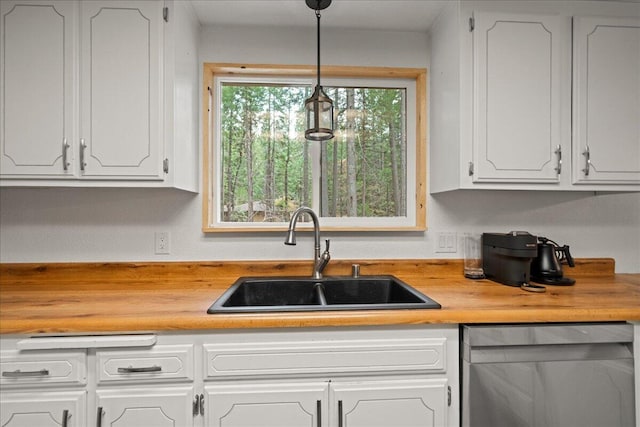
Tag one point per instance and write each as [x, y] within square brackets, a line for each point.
[258, 167]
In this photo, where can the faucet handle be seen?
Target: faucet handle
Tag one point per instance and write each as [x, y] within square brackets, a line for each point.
[327, 242]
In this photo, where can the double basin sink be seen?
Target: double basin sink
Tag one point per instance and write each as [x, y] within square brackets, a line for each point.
[287, 294]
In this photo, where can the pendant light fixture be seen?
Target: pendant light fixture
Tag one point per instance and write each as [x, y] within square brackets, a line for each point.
[319, 107]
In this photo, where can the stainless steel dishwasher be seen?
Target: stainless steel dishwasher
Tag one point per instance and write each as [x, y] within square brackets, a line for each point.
[560, 375]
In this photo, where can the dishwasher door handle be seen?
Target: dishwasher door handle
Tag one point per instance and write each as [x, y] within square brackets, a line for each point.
[544, 353]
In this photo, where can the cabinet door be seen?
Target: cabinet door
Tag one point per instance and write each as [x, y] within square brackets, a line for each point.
[398, 403]
[157, 407]
[606, 79]
[521, 97]
[121, 89]
[267, 405]
[36, 118]
[43, 409]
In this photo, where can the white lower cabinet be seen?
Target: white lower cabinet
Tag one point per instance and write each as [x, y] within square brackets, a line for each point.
[148, 386]
[318, 377]
[43, 409]
[42, 388]
[406, 402]
[349, 403]
[267, 404]
[348, 377]
[137, 407]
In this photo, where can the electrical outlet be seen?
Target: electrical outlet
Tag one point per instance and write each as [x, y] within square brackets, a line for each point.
[162, 242]
[446, 242]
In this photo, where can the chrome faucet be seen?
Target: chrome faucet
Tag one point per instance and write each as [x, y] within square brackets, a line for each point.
[320, 261]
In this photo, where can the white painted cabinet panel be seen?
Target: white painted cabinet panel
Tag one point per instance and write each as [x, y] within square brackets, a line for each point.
[519, 80]
[43, 409]
[269, 404]
[42, 368]
[330, 356]
[398, 403]
[37, 116]
[606, 81]
[160, 363]
[157, 407]
[121, 89]
[350, 403]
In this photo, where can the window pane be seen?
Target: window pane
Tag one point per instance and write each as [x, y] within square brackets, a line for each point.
[265, 161]
[365, 164]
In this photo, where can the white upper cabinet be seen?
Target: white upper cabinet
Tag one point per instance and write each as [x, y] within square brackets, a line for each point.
[606, 92]
[519, 88]
[37, 117]
[121, 89]
[88, 93]
[501, 109]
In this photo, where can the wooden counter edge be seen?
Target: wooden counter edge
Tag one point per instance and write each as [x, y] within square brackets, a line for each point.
[121, 271]
[325, 319]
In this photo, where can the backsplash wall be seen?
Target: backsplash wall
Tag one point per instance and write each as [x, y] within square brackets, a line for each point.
[102, 224]
[80, 224]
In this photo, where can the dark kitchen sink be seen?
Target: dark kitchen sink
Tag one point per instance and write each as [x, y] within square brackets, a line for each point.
[264, 294]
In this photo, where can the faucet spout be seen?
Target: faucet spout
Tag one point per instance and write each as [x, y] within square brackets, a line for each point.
[320, 261]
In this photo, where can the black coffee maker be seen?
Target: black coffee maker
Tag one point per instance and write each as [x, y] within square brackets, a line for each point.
[546, 268]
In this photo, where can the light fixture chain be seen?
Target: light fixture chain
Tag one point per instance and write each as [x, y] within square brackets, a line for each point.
[318, 17]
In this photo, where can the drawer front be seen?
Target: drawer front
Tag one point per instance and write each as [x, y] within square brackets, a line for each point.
[160, 363]
[24, 368]
[425, 355]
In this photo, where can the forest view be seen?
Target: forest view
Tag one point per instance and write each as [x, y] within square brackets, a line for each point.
[267, 163]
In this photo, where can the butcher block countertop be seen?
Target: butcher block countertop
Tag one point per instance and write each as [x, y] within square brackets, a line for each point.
[174, 296]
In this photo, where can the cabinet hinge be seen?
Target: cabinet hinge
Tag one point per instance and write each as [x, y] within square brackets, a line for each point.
[165, 14]
[165, 165]
[470, 168]
[472, 24]
[448, 395]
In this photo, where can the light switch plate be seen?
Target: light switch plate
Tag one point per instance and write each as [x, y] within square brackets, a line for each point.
[446, 242]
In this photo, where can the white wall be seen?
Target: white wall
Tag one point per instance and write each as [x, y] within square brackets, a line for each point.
[75, 224]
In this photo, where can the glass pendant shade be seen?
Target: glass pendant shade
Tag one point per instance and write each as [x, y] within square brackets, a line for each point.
[319, 109]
